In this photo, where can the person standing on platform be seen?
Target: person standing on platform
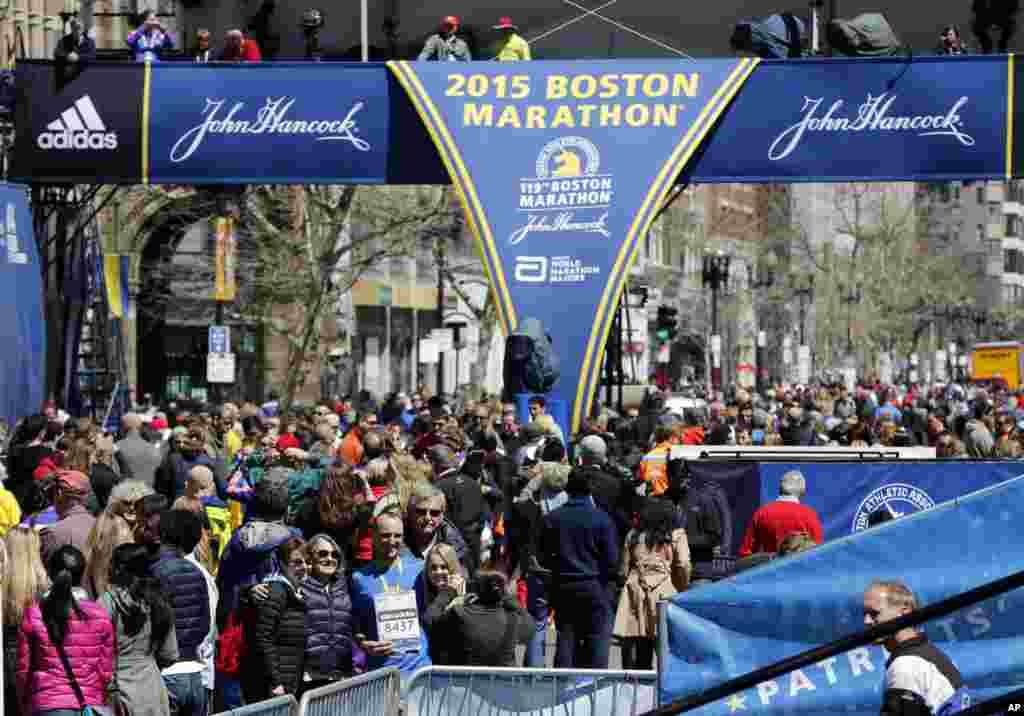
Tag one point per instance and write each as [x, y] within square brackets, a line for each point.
[445, 45]
[511, 47]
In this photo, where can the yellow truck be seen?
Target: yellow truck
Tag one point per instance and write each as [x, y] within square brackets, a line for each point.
[1001, 359]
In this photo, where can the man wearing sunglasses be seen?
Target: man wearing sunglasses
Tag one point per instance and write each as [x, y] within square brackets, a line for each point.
[426, 524]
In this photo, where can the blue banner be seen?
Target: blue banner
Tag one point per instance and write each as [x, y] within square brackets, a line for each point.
[23, 328]
[281, 123]
[730, 628]
[845, 494]
[878, 120]
[561, 168]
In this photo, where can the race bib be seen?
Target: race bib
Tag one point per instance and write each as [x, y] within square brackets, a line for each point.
[398, 620]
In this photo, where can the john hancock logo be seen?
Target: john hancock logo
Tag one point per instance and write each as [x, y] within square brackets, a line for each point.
[567, 193]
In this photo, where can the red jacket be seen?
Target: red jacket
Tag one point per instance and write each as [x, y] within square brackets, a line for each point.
[40, 680]
[774, 521]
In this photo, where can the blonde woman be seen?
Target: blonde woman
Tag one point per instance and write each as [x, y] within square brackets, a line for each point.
[24, 582]
[408, 473]
[443, 584]
[113, 527]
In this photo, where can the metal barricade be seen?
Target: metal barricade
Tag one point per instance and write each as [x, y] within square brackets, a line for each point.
[478, 691]
[277, 706]
[373, 694]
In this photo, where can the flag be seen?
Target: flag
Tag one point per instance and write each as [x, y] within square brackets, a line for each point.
[116, 275]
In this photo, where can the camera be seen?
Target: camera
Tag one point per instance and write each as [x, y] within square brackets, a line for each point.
[312, 19]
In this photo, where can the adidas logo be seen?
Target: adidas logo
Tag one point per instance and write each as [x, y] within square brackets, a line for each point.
[79, 127]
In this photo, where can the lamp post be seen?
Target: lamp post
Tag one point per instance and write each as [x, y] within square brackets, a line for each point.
[764, 279]
[804, 292]
[715, 276]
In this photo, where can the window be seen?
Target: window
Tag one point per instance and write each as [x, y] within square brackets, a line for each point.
[1008, 261]
[1012, 226]
[981, 194]
[981, 232]
[1013, 261]
[994, 209]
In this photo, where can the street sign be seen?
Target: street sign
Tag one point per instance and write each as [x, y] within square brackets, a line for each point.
[219, 339]
[445, 338]
[220, 368]
[428, 350]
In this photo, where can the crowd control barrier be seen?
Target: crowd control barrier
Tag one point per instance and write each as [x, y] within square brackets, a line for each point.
[277, 706]
[478, 691]
[373, 694]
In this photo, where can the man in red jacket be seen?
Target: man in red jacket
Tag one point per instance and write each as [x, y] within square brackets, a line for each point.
[772, 522]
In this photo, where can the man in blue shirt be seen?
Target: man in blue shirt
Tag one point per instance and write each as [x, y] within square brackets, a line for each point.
[579, 546]
[396, 575]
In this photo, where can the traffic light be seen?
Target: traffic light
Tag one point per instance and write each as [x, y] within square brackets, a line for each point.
[666, 327]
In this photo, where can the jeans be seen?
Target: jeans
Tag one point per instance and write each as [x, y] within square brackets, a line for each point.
[584, 624]
[538, 607]
[228, 693]
[638, 653]
[187, 693]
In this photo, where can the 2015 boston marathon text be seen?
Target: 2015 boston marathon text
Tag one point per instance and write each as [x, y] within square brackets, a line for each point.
[504, 101]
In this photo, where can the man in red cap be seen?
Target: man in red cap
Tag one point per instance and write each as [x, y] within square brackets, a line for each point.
[70, 490]
[446, 45]
[511, 47]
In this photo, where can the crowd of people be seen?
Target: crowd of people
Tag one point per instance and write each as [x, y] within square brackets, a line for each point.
[237, 552]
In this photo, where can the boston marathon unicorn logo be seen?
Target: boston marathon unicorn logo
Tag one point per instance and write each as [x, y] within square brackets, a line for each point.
[896, 499]
[565, 157]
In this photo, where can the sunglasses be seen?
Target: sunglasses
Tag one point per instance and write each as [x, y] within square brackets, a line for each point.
[326, 553]
[424, 511]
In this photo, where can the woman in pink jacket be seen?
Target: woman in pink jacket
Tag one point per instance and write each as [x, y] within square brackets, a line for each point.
[65, 632]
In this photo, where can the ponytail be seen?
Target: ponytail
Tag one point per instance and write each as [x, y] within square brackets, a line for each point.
[65, 568]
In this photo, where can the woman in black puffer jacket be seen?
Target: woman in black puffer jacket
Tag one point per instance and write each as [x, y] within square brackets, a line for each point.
[328, 615]
[276, 638]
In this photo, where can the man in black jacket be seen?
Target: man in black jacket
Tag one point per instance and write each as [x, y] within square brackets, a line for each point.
[609, 492]
[989, 14]
[465, 501]
[699, 513]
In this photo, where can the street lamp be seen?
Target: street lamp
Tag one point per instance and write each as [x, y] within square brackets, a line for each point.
[716, 277]
[764, 279]
[803, 290]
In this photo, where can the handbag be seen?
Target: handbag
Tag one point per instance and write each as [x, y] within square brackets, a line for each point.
[85, 709]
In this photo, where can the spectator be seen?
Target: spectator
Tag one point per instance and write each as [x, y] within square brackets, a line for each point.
[464, 500]
[919, 678]
[105, 536]
[24, 582]
[398, 575]
[275, 662]
[147, 524]
[26, 451]
[260, 29]
[994, 14]
[511, 47]
[772, 522]
[201, 51]
[183, 583]
[329, 614]
[446, 45]
[76, 49]
[608, 491]
[580, 548]
[138, 459]
[654, 467]
[145, 636]
[66, 644]
[444, 582]
[352, 450]
[539, 407]
[427, 524]
[703, 511]
[71, 489]
[149, 41]
[655, 566]
[483, 627]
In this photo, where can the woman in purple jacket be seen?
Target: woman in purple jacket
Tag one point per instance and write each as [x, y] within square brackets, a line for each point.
[66, 644]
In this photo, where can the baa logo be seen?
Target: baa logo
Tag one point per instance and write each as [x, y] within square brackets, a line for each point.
[898, 499]
[568, 157]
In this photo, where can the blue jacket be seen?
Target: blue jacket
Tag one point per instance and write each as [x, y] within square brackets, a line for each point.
[579, 541]
[184, 585]
[328, 628]
[248, 559]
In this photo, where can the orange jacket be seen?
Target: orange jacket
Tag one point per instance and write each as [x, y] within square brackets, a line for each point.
[654, 468]
[351, 450]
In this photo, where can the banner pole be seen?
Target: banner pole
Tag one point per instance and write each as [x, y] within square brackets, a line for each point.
[364, 30]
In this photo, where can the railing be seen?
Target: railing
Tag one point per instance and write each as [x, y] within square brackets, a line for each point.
[478, 691]
[373, 694]
[863, 638]
[277, 706]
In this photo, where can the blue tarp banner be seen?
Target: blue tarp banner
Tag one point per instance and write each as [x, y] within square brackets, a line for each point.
[283, 123]
[22, 329]
[730, 628]
[845, 494]
[561, 168]
[879, 120]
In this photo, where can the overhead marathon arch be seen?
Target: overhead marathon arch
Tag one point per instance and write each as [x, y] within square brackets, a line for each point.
[561, 165]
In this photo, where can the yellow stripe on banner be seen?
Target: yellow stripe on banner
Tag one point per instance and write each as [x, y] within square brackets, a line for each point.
[147, 78]
[463, 182]
[659, 188]
[112, 277]
[1009, 118]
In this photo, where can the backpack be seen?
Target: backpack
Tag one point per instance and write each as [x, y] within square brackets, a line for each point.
[531, 365]
[775, 37]
[867, 35]
[231, 645]
[221, 529]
